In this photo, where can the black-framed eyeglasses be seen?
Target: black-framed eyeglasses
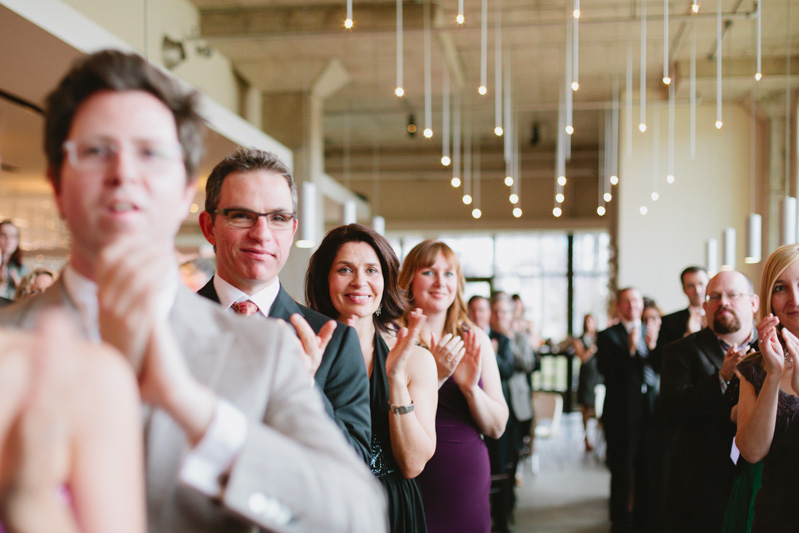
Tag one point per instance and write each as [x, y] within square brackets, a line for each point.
[244, 218]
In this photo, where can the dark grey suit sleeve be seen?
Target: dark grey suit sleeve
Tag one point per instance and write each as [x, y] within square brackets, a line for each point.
[346, 392]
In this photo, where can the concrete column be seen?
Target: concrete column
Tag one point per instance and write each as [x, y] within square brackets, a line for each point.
[296, 120]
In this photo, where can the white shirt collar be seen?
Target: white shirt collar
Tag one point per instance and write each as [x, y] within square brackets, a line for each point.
[228, 295]
[630, 325]
[83, 293]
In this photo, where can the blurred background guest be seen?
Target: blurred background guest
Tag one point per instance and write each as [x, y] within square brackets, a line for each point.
[455, 484]
[34, 283]
[352, 276]
[11, 267]
[585, 347]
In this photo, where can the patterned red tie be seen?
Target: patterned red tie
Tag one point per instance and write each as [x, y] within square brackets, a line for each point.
[246, 308]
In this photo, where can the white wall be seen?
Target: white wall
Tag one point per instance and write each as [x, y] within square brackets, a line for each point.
[710, 193]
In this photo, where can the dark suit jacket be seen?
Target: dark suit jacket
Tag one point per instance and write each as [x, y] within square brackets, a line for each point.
[623, 373]
[701, 472]
[672, 328]
[341, 375]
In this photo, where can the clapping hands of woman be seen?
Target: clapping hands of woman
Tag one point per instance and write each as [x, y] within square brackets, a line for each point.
[467, 373]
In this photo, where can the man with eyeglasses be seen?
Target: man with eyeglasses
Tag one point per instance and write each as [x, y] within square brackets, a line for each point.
[235, 438]
[696, 374]
[250, 218]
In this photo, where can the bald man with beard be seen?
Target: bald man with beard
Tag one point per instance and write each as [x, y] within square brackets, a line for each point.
[696, 374]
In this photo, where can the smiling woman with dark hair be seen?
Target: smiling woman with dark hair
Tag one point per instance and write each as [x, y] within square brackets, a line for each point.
[353, 276]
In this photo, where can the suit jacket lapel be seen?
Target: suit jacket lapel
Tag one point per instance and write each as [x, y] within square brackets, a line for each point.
[284, 306]
[209, 291]
[710, 347]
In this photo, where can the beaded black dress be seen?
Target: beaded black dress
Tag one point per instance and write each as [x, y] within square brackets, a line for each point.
[405, 508]
[775, 503]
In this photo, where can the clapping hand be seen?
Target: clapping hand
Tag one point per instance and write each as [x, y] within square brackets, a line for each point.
[731, 360]
[467, 374]
[397, 359]
[313, 345]
[448, 353]
[770, 346]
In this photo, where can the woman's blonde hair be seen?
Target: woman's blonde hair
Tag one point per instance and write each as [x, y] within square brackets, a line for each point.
[424, 255]
[779, 260]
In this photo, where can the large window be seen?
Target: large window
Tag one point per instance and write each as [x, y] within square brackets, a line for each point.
[535, 265]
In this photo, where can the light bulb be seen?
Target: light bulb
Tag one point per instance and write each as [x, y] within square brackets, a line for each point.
[428, 132]
[467, 199]
[719, 124]
[569, 129]
[642, 127]
[669, 179]
[460, 19]
[498, 131]
[399, 91]
[513, 198]
[476, 213]
[482, 90]
[557, 211]
[607, 196]
[561, 180]
[348, 24]
[600, 210]
[576, 13]
[445, 160]
[456, 182]
[517, 212]
[695, 8]
[758, 76]
[575, 86]
[559, 197]
[614, 180]
[655, 196]
[508, 181]
[643, 210]
[666, 80]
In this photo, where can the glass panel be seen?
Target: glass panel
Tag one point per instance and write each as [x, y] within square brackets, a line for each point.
[591, 295]
[477, 288]
[476, 254]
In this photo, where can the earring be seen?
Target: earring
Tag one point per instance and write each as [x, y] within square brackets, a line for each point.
[379, 309]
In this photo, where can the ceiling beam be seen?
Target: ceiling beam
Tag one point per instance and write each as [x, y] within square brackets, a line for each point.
[303, 20]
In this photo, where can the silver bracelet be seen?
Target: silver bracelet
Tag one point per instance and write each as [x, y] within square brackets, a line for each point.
[400, 409]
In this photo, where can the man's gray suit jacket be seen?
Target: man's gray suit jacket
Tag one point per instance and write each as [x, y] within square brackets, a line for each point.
[341, 375]
[296, 471]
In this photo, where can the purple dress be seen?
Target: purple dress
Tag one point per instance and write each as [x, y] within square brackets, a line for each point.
[456, 481]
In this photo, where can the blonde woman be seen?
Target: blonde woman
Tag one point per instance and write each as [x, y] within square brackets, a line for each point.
[768, 426]
[456, 481]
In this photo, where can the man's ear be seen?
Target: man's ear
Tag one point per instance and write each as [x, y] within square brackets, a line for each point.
[207, 226]
[55, 184]
[755, 303]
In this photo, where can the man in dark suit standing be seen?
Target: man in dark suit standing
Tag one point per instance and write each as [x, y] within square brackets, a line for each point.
[250, 218]
[696, 373]
[632, 386]
[681, 323]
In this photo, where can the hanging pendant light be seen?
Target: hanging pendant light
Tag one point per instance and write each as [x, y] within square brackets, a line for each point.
[666, 76]
[498, 129]
[446, 137]
[753, 243]
[642, 90]
[399, 91]
[482, 90]
[719, 123]
[307, 216]
[712, 256]
[456, 142]
[575, 85]
[348, 21]
[759, 70]
[428, 74]
[788, 220]
[670, 155]
[729, 249]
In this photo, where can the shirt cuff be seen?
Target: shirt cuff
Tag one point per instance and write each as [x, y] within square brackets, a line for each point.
[206, 464]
